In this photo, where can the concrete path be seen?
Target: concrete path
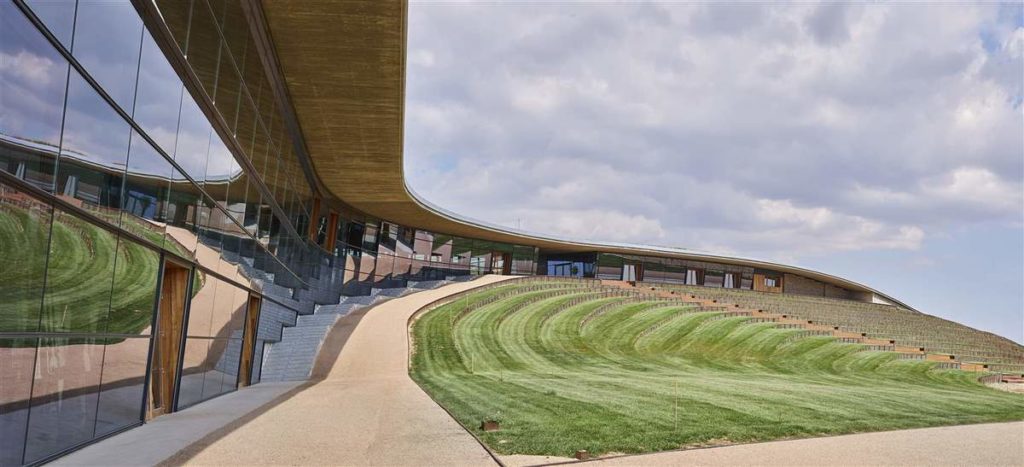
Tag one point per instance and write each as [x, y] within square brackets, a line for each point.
[987, 444]
[162, 438]
[366, 411]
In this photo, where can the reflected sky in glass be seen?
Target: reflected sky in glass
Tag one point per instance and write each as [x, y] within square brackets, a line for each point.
[107, 36]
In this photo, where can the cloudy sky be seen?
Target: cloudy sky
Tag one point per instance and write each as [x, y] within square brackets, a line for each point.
[884, 143]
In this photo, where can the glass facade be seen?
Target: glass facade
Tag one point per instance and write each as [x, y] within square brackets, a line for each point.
[112, 167]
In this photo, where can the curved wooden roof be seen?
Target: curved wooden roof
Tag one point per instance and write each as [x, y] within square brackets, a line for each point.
[343, 64]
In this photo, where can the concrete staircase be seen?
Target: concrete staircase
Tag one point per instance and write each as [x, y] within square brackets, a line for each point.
[292, 357]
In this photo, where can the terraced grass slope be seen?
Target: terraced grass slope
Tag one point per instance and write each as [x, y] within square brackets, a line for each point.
[566, 367]
[906, 327]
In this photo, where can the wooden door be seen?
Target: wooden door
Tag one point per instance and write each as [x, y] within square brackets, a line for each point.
[168, 336]
[252, 321]
[506, 265]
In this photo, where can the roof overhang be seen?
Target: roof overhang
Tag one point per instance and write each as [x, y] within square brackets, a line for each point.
[343, 64]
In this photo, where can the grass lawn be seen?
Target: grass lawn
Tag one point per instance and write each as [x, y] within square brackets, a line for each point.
[642, 377]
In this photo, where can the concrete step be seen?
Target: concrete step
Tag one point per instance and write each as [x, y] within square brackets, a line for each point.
[292, 358]
[338, 309]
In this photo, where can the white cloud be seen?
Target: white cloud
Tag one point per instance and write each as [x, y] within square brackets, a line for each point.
[757, 129]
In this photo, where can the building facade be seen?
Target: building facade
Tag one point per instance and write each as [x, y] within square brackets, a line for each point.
[164, 214]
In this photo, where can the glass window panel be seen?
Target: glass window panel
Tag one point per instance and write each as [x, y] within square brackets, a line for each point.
[32, 97]
[713, 278]
[443, 248]
[94, 150]
[78, 249]
[251, 218]
[385, 264]
[193, 142]
[204, 47]
[236, 31]
[122, 389]
[17, 361]
[213, 381]
[228, 311]
[158, 100]
[181, 215]
[59, 18]
[246, 131]
[228, 86]
[134, 290]
[200, 310]
[228, 363]
[367, 261]
[107, 41]
[193, 371]
[210, 217]
[220, 167]
[64, 395]
[238, 188]
[175, 14]
[146, 189]
[24, 245]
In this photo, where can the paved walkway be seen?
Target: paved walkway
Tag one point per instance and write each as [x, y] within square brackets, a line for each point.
[988, 444]
[160, 439]
[366, 411]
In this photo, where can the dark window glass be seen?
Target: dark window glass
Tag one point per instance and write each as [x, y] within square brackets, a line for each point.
[442, 248]
[370, 236]
[124, 376]
[94, 150]
[58, 16]
[714, 278]
[24, 244]
[32, 85]
[64, 395]
[107, 41]
[78, 249]
[17, 360]
[158, 100]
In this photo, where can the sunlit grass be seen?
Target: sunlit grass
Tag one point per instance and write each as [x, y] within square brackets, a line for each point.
[645, 377]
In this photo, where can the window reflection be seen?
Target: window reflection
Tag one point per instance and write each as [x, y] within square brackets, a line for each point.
[78, 249]
[147, 188]
[59, 17]
[94, 150]
[17, 361]
[64, 395]
[107, 36]
[33, 97]
[24, 245]
[134, 289]
[193, 142]
[158, 98]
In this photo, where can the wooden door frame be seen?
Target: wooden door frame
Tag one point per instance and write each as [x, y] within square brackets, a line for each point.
[249, 334]
[165, 386]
